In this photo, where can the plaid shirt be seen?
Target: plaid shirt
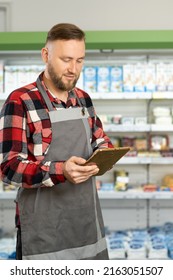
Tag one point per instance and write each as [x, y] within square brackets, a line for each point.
[25, 136]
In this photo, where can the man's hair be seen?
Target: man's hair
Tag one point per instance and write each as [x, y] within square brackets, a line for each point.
[65, 31]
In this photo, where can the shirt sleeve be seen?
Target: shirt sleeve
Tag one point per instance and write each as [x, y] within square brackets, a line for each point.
[18, 167]
[99, 137]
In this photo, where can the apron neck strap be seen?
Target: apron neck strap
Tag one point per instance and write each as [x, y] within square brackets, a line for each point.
[44, 94]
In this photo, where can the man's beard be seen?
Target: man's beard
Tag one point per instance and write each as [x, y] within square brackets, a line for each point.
[57, 80]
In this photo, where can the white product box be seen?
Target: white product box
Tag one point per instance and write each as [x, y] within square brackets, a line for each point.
[80, 82]
[1, 77]
[116, 79]
[161, 76]
[140, 120]
[170, 76]
[139, 77]
[103, 79]
[35, 71]
[90, 78]
[128, 78]
[127, 120]
[23, 75]
[150, 77]
[10, 78]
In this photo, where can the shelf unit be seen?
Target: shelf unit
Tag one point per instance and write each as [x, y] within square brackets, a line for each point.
[143, 209]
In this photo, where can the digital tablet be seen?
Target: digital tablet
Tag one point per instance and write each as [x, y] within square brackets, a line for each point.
[106, 158]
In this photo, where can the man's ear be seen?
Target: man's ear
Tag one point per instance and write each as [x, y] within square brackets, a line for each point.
[44, 54]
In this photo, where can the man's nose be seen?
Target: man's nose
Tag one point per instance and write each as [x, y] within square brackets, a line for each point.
[72, 66]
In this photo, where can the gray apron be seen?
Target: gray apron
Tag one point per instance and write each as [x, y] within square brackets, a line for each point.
[64, 221]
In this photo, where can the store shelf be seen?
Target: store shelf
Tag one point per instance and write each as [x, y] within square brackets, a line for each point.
[3, 96]
[137, 128]
[121, 95]
[127, 128]
[135, 195]
[8, 195]
[112, 195]
[132, 95]
[163, 127]
[146, 160]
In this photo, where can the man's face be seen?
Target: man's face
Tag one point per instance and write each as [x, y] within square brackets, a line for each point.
[64, 62]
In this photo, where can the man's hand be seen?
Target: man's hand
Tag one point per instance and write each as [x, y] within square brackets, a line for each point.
[75, 172]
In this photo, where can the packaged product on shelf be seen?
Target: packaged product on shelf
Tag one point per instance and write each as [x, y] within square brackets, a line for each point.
[137, 244]
[167, 181]
[162, 115]
[116, 119]
[127, 120]
[1, 186]
[140, 120]
[139, 77]
[157, 248]
[161, 111]
[128, 77]
[9, 187]
[150, 77]
[90, 78]
[127, 141]
[167, 153]
[116, 78]
[35, 70]
[141, 144]
[103, 79]
[107, 186]
[106, 119]
[121, 180]
[23, 75]
[170, 77]
[136, 249]
[163, 120]
[116, 246]
[149, 187]
[1, 77]
[116, 141]
[161, 76]
[159, 142]
[10, 78]
[80, 82]
[7, 247]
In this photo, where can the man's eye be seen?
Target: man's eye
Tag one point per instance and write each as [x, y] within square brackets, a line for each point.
[79, 60]
[66, 59]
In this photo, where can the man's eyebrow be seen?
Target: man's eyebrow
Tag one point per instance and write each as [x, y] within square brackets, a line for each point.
[70, 57]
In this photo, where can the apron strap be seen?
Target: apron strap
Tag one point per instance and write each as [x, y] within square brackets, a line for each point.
[79, 102]
[44, 94]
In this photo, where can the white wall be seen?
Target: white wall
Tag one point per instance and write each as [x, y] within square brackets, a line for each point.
[39, 15]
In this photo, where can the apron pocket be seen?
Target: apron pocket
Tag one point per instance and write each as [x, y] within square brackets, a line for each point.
[78, 228]
[57, 230]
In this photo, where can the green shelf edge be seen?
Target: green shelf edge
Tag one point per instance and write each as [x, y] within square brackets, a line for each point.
[118, 40]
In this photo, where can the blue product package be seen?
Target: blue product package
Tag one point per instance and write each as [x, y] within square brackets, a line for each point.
[128, 78]
[139, 77]
[90, 78]
[103, 79]
[116, 78]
